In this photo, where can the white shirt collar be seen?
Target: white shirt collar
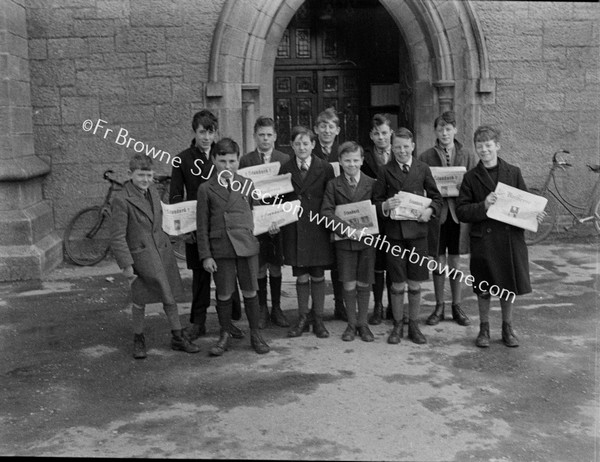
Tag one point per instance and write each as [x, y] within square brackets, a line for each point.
[306, 161]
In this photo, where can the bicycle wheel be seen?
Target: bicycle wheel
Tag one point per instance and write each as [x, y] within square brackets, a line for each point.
[545, 227]
[596, 210]
[87, 237]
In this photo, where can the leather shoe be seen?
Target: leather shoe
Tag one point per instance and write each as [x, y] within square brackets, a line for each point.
[278, 317]
[508, 336]
[222, 344]
[414, 333]
[349, 333]
[319, 328]
[300, 327]
[139, 346]
[376, 318]
[194, 331]
[437, 315]
[405, 319]
[459, 315]
[180, 342]
[396, 333]
[257, 342]
[365, 334]
[483, 339]
[235, 331]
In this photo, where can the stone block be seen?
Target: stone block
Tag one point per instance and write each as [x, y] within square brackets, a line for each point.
[124, 60]
[155, 13]
[567, 33]
[75, 110]
[38, 49]
[16, 195]
[139, 39]
[46, 116]
[165, 70]
[119, 112]
[537, 99]
[49, 22]
[150, 90]
[67, 48]
[20, 120]
[19, 93]
[194, 49]
[551, 10]
[587, 99]
[17, 45]
[108, 84]
[94, 27]
[58, 72]
[15, 18]
[170, 115]
[101, 44]
[586, 11]
[514, 48]
[30, 262]
[118, 9]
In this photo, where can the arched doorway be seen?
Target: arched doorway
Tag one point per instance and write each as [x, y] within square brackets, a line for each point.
[346, 55]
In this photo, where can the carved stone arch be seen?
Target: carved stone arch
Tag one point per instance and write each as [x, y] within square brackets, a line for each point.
[446, 45]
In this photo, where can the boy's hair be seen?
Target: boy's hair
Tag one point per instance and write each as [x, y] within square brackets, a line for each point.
[140, 162]
[486, 133]
[301, 130]
[226, 146]
[348, 147]
[380, 119]
[328, 115]
[402, 132]
[264, 121]
[206, 119]
[447, 118]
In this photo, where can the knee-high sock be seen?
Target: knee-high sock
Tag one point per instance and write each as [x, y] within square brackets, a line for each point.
[303, 293]
[338, 287]
[378, 286]
[438, 285]
[251, 307]
[350, 302]
[507, 309]
[275, 285]
[224, 308]
[317, 292]
[262, 291]
[363, 295]
[414, 303]
[397, 299]
[483, 304]
[137, 318]
[173, 316]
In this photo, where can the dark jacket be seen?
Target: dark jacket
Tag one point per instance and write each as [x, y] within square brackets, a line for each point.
[339, 192]
[253, 158]
[194, 170]
[370, 165]
[306, 243]
[224, 220]
[333, 153]
[137, 239]
[435, 157]
[498, 251]
[419, 181]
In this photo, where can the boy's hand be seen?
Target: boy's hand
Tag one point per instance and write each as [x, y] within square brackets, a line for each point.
[273, 229]
[425, 215]
[541, 216]
[128, 273]
[490, 199]
[391, 203]
[209, 264]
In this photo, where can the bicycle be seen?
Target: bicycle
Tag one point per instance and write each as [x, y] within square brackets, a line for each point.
[582, 213]
[87, 236]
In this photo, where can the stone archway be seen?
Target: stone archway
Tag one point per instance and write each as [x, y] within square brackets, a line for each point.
[448, 57]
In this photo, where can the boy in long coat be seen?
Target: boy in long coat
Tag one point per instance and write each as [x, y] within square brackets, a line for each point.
[144, 254]
[499, 257]
[306, 245]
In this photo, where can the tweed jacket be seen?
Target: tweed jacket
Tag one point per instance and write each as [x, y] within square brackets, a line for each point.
[137, 239]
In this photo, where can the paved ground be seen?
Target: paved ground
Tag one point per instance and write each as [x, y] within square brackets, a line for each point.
[69, 387]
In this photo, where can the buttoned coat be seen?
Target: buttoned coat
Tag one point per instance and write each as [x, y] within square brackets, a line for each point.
[419, 181]
[435, 157]
[339, 192]
[306, 242]
[224, 220]
[137, 239]
[498, 251]
[333, 153]
[253, 158]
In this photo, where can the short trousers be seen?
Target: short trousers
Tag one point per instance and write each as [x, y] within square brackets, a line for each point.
[313, 271]
[242, 269]
[356, 265]
[401, 269]
[449, 237]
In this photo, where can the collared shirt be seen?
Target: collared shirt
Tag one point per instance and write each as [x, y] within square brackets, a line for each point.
[382, 157]
[326, 149]
[409, 163]
[266, 156]
[356, 178]
[306, 161]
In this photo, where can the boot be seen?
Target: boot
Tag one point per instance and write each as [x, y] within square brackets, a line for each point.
[277, 316]
[319, 328]
[349, 333]
[222, 344]
[365, 333]
[179, 342]
[139, 346]
[264, 319]
[376, 318]
[301, 326]
[438, 314]
[396, 333]
[414, 333]
[257, 342]
[459, 316]
[235, 331]
[194, 331]
[483, 339]
[508, 336]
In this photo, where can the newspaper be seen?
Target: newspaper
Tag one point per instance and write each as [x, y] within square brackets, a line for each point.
[411, 206]
[359, 215]
[448, 179]
[258, 172]
[271, 186]
[179, 218]
[517, 207]
[282, 214]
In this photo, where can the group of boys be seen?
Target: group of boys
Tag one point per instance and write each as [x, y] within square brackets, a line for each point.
[224, 247]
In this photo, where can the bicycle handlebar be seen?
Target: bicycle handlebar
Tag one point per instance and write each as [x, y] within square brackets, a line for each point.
[108, 178]
[561, 163]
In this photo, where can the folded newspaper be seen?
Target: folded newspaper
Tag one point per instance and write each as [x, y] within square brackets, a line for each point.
[517, 207]
[179, 218]
[267, 181]
[448, 179]
[257, 172]
[359, 215]
[411, 206]
[281, 214]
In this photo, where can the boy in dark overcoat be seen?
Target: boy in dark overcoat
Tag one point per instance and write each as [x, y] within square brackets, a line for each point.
[499, 257]
[405, 173]
[355, 259]
[227, 246]
[447, 237]
[306, 245]
[144, 253]
[271, 251]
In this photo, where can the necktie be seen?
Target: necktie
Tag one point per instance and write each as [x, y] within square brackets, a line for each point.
[405, 168]
[325, 150]
[228, 181]
[262, 156]
[352, 182]
[303, 169]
